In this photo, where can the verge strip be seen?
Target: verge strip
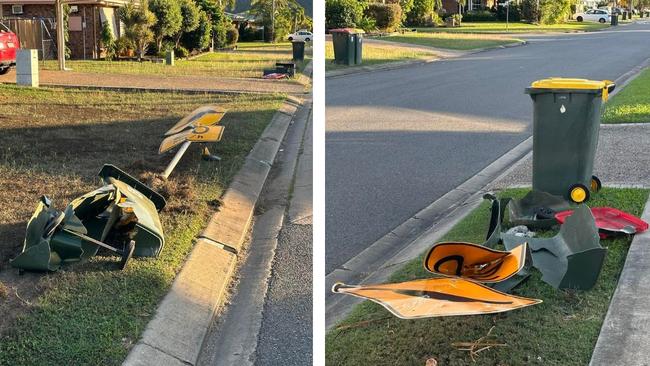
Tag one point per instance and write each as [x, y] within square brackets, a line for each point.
[175, 334]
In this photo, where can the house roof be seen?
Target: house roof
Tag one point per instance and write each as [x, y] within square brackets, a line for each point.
[71, 2]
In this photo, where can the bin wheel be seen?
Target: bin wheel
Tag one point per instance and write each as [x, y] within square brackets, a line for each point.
[596, 185]
[578, 193]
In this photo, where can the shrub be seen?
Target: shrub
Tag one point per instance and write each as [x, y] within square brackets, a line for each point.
[199, 39]
[479, 16]
[343, 13]
[423, 13]
[232, 36]
[123, 46]
[555, 11]
[514, 13]
[108, 41]
[249, 34]
[406, 6]
[387, 16]
[181, 52]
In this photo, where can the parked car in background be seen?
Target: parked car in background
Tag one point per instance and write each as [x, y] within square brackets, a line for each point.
[594, 15]
[301, 35]
[8, 46]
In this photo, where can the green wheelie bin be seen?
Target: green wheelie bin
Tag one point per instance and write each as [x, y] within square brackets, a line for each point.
[298, 50]
[566, 123]
[347, 44]
[358, 48]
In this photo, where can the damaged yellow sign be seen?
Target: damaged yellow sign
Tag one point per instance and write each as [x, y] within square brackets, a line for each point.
[434, 297]
[475, 262]
[198, 134]
[204, 116]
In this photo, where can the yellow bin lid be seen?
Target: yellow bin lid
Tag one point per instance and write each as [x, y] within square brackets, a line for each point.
[575, 84]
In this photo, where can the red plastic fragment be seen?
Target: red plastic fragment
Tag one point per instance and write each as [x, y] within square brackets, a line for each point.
[610, 220]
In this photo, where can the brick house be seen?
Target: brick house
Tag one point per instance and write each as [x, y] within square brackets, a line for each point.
[84, 22]
[451, 6]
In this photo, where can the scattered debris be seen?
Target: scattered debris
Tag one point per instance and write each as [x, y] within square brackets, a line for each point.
[478, 346]
[115, 216]
[431, 362]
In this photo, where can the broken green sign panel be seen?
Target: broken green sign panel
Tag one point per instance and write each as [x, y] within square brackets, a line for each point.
[113, 216]
[571, 259]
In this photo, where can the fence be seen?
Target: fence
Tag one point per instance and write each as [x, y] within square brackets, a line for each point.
[34, 33]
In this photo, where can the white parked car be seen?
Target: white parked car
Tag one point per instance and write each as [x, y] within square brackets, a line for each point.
[594, 15]
[301, 35]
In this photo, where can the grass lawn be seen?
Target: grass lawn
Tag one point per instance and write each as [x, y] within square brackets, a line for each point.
[632, 104]
[518, 27]
[560, 331]
[374, 54]
[247, 61]
[451, 40]
[54, 141]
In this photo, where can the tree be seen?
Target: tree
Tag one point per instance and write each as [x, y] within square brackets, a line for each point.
[423, 12]
[199, 38]
[343, 13]
[168, 19]
[190, 13]
[137, 25]
[284, 20]
[108, 41]
[220, 22]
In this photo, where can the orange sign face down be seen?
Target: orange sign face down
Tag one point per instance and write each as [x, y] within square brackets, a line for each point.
[475, 262]
[435, 297]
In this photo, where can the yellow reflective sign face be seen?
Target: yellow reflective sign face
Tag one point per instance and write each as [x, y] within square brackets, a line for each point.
[436, 297]
[475, 262]
[206, 134]
[198, 134]
[203, 116]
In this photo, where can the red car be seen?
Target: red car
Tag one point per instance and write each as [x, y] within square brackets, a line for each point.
[8, 46]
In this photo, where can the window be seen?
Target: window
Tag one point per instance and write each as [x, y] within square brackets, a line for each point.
[16, 9]
[477, 5]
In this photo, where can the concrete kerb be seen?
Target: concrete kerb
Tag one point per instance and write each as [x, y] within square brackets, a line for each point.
[175, 334]
[623, 338]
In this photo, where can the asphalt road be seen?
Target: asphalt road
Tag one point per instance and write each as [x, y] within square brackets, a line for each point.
[398, 140]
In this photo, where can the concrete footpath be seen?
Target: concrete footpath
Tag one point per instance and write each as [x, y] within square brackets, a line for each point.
[186, 83]
[268, 320]
[622, 158]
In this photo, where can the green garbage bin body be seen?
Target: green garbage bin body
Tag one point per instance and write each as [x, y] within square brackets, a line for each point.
[566, 124]
[346, 41]
[358, 48]
[298, 50]
[614, 19]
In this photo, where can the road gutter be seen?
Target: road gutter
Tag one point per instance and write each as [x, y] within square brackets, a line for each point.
[233, 338]
[175, 334]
